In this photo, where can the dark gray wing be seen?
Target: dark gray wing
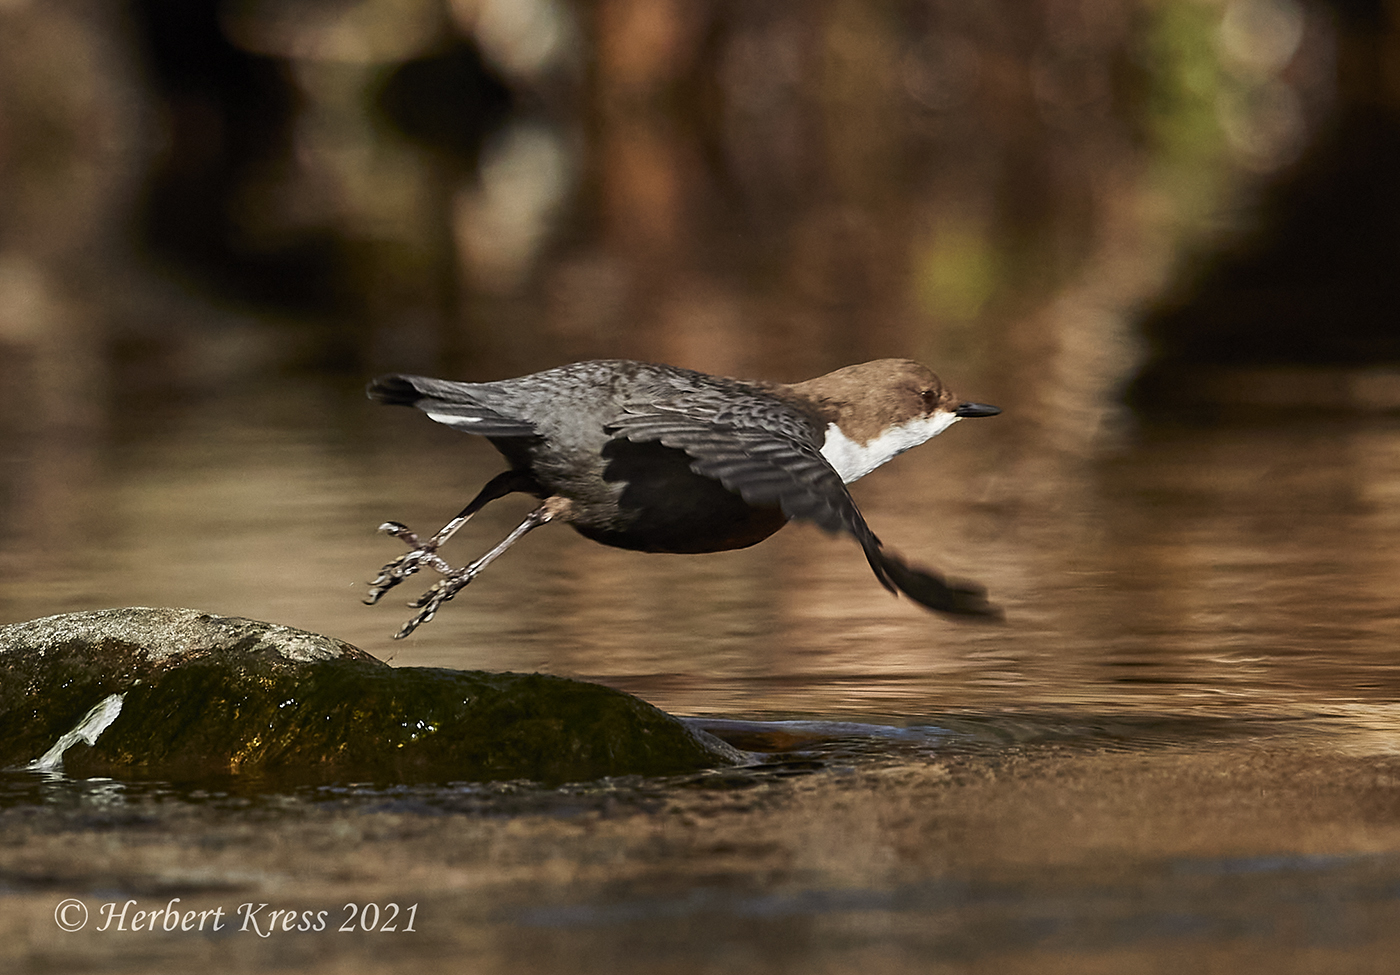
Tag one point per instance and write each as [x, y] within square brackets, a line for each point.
[766, 467]
[760, 466]
[448, 402]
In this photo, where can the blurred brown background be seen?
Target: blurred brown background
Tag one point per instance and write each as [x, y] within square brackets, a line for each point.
[1046, 197]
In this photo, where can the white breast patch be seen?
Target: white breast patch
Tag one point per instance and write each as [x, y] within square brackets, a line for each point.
[854, 460]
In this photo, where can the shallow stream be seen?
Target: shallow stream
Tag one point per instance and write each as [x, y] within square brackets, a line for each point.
[1179, 752]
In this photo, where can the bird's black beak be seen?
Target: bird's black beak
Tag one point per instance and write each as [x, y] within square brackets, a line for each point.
[976, 409]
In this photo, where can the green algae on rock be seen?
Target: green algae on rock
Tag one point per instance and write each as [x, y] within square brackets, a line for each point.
[174, 693]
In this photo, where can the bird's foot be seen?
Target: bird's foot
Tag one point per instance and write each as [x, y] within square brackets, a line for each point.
[454, 580]
[432, 600]
[420, 554]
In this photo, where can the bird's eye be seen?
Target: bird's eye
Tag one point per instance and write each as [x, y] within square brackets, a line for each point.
[930, 399]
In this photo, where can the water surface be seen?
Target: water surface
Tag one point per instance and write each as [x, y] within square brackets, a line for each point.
[1239, 570]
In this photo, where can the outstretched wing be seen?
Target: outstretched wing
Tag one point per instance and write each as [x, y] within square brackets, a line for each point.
[759, 466]
[768, 467]
[448, 402]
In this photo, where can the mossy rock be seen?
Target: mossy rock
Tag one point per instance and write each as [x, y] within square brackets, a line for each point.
[177, 694]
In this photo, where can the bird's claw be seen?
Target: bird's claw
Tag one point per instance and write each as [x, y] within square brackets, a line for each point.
[424, 553]
[399, 530]
[420, 554]
[432, 600]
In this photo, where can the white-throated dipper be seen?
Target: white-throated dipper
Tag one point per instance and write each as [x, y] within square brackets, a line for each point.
[661, 459]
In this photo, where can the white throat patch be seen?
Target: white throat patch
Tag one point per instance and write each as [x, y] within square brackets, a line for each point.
[854, 460]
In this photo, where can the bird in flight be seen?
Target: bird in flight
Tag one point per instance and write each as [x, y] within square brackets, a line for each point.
[657, 458]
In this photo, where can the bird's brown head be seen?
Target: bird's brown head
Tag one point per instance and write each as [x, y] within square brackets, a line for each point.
[876, 410]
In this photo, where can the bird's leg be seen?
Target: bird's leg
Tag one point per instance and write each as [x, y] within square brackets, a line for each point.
[425, 553]
[457, 579]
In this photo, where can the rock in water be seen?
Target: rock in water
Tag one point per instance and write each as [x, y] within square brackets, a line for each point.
[183, 695]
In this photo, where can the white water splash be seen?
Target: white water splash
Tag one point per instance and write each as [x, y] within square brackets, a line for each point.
[89, 729]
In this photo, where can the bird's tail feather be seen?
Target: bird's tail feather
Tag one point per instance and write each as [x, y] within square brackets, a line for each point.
[393, 390]
[458, 405]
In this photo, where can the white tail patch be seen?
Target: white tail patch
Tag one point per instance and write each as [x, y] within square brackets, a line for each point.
[854, 460]
[452, 420]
